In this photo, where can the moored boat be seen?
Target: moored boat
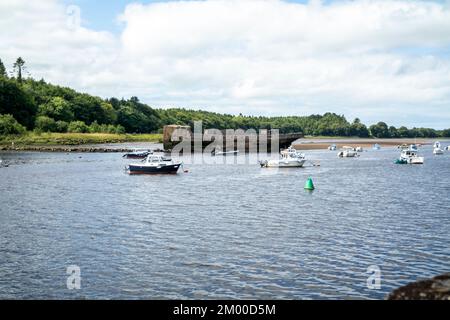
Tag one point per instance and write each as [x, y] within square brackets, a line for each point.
[347, 152]
[333, 147]
[437, 150]
[155, 164]
[290, 158]
[409, 157]
[216, 152]
[376, 146]
[138, 154]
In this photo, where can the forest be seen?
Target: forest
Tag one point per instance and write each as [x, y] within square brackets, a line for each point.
[27, 104]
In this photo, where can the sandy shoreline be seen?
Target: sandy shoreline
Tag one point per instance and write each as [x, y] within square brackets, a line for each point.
[317, 144]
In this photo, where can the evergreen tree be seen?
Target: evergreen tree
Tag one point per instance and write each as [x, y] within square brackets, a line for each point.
[2, 69]
[19, 68]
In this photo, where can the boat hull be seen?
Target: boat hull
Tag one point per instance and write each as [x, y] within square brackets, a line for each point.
[137, 155]
[283, 164]
[144, 169]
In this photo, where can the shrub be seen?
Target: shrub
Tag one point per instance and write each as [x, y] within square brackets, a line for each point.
[61, 126]
[78, 127]
[45, 124]
[9, 125]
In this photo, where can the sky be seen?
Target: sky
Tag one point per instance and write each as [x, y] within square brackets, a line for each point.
[377, 60]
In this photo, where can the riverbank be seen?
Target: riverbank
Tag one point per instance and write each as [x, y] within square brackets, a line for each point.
[44, 141]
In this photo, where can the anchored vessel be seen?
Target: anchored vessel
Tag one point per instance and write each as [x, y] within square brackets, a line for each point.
[347, 152]
[216, 152]
[290, 158]
[437, 150]
[409, 157]
[138, 154]
[333, 147]
[155, 164]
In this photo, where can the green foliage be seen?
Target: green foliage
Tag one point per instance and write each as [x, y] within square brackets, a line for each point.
[19, 68]
[3, 70]
[62, 126]
[57, 108]
[17, 102]
[446, 133]
[78, 127]
[45, 124]
[9, 125]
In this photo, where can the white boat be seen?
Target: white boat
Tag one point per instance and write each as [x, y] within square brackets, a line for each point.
[224, 153]
[376, 146]
[447, 148]
[437, 150]
[333, 147]
[347, 152]
[290, 158]
[410, 157]
[359, 149]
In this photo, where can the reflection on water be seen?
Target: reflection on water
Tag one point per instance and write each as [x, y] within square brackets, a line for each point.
[221, 231]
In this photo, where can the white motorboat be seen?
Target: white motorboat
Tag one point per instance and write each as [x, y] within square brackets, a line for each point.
[347, 152]
[376, 146]
[437, 150]
[409, 157]
[359, 149]
[447, 148]
[333, 147]
[216, 152]
[290, 158]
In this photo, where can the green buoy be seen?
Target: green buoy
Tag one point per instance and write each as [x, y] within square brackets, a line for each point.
[309, 185]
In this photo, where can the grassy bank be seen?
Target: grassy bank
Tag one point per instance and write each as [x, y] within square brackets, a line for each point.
[31, 138]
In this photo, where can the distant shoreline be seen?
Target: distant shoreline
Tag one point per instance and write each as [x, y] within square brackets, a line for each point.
[311, 143]
[308, 143]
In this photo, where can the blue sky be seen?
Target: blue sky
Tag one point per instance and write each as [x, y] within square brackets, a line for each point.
[102, 14]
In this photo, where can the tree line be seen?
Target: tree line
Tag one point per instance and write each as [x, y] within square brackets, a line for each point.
[29, 104]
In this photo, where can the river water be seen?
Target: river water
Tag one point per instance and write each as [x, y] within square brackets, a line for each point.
[221, 231]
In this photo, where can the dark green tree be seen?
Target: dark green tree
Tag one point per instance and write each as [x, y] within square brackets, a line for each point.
[19, 68]
[2, 70]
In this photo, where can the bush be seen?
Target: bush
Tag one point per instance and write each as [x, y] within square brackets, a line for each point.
[9, 125]
[45, 124]
[95, 127]
[78, 127]
[61, 126]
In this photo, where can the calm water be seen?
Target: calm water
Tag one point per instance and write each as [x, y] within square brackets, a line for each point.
[221, 231]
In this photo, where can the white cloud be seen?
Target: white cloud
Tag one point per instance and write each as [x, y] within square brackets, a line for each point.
[378, 60]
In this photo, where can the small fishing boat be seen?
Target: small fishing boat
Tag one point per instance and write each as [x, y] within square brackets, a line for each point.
[138, 154]
[359, 149]
[155, 164]
[290, 158]
[347, 152]
[376, 146]
[409, 157]
[437, 150]
[216, 152]
[413, 147]
[447, 148]
[333, 147]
